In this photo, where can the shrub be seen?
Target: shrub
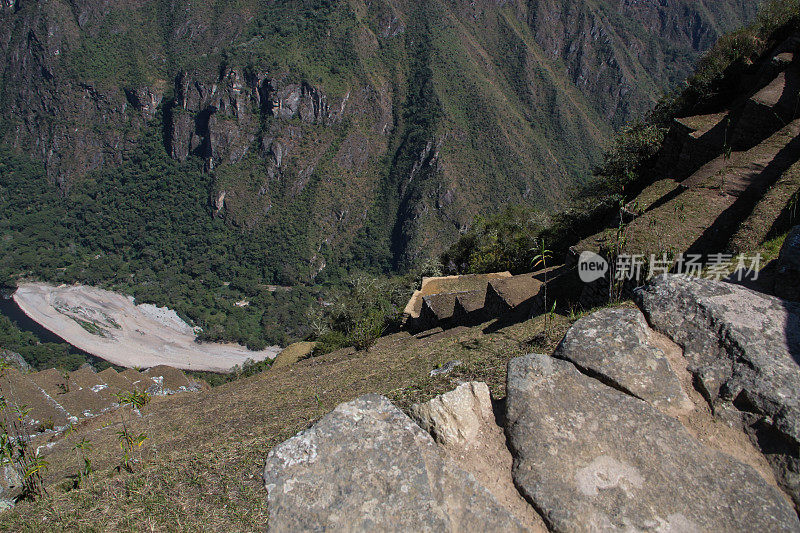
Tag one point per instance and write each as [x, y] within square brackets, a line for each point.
[361, 314]
[330, 341]
[633, 148]
[497, 243]
[368, 329]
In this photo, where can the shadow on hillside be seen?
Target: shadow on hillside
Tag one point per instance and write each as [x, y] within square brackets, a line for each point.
[792, 329]
[666, 198]
[506, 320]
[715, 237]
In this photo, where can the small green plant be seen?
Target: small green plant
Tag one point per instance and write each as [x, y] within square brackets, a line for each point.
[64, 386]
[45, 425]
[727, 152]
[15, 446]
[128, 442]
[617, 249]
[794, 203]
[550, 319]
[543, 255]
[367, 330]
[136, 398]
[82, 448]
[679, 211]
[574, 313]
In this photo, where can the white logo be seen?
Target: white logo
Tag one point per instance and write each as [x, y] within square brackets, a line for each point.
[591, 267]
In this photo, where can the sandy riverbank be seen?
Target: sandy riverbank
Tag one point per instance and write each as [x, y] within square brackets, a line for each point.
[110, 326]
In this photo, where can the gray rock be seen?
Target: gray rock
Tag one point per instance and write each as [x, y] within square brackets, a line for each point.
[10, 483]
[446, 368]
[744, 348]
[14, 360]
[617, 346]
[462, 421]
[787, 277]
[366, 466]
[592, 458]
[789, 258]
[456, 417]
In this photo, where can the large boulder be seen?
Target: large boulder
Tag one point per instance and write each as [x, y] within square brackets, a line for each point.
[456, 418]
[618, 347]
[462, 421]
[592, 458]
[366, 466]
[744, 349]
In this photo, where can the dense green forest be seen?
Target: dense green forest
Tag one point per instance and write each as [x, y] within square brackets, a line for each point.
[146, 229]
[43, 355]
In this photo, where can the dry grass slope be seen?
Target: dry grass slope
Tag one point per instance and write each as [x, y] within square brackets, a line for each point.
[200, 467]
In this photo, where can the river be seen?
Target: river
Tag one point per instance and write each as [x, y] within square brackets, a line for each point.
[10, 309]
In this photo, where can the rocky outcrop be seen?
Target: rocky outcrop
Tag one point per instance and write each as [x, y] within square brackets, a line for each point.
[744, 350]
[591, 458]
[457, 417]
[787, 279]
[366, 466]
[463, 422]
[219, 118]
[579, 456]
[617, 347]
[608, 434]
[14, 360]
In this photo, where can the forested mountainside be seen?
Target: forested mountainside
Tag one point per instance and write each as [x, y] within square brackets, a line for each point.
[173, 147]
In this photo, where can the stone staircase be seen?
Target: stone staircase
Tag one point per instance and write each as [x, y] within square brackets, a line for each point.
[57, 399]
[724, 176]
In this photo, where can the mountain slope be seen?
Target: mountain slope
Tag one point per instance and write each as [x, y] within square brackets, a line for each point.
[191, 154]
[227, 79]
[623, 54]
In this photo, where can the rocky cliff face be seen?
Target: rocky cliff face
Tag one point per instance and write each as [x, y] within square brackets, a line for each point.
[383, 119]
[623, 54]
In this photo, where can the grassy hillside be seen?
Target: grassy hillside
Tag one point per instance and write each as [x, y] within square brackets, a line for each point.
[201, 466]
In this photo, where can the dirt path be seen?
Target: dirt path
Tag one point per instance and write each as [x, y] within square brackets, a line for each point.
[110, 326]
